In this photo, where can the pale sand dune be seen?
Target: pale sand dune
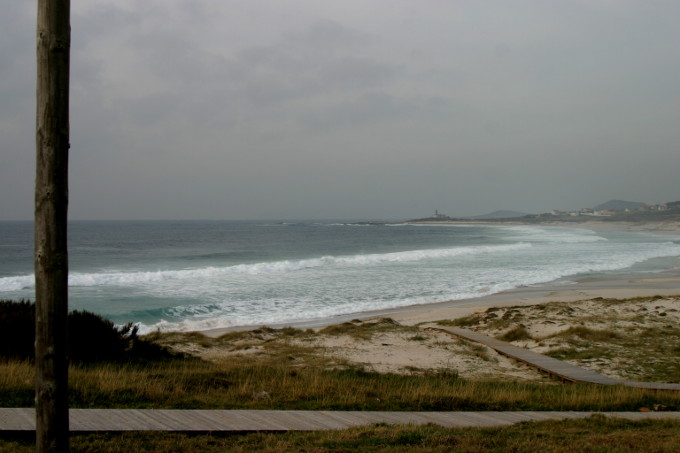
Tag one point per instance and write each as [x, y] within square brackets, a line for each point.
[406, 345]
[381, 345]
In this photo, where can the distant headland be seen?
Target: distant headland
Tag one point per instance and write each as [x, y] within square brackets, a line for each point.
[611, 211]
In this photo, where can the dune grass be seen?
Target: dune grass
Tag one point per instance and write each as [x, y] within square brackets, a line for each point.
[518, 333]
[635, 339]
[366, 330]
[658, 362]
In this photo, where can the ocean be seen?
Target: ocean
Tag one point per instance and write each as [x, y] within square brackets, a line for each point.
[194, 275]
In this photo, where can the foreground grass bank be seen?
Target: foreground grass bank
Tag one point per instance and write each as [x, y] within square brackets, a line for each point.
[287, 374]
[595, 434]
[271, 384]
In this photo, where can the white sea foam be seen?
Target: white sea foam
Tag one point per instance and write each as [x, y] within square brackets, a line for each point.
[318, 301]
[209, 288]
[276, 267]
[18, 283]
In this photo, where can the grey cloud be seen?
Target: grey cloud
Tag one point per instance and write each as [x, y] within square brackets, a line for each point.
[370, 109]
[352, 108]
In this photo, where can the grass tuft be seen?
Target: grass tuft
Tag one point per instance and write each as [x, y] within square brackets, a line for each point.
[365, 330]
[588, 334]
[518, 333]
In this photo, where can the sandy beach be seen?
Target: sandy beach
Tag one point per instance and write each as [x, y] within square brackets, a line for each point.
[401, 341]
[622, 287]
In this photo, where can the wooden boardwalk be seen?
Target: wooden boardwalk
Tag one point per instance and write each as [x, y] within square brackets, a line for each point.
[563, 370]
[118, 420]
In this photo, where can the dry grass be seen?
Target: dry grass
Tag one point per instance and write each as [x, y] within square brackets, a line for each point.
[285, 385]
[517, 333]
[366, 330]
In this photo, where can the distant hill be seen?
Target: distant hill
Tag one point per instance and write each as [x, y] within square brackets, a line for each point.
[500, 215]
[618, 205]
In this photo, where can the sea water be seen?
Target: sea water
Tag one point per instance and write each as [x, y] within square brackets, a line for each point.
[189, 275]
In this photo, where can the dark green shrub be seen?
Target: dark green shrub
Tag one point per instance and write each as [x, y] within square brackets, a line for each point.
[91, 338]
[17, 329]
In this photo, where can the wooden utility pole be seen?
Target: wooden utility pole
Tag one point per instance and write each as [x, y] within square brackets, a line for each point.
[51, 204]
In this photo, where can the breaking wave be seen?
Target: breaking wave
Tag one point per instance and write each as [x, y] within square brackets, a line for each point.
[276, 267]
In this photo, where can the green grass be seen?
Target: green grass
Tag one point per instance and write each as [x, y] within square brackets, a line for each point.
[594, 434]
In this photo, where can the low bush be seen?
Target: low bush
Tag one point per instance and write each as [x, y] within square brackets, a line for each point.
[91, 338]
[17, 329]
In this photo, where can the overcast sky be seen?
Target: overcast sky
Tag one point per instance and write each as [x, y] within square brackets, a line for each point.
[208, 109]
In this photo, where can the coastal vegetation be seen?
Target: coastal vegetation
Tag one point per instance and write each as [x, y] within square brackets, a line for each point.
[284, 369]
[92, 338]
[280, 383]
[635, 339]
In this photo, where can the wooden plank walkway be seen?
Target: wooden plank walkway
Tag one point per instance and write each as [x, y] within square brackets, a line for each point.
[554, 367]
[118, 420]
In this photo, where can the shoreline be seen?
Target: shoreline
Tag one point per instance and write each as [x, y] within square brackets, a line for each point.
[664, 283]
[624, 286]
[594, 323]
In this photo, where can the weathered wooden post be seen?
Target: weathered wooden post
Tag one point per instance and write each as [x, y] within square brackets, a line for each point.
[51, 203]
